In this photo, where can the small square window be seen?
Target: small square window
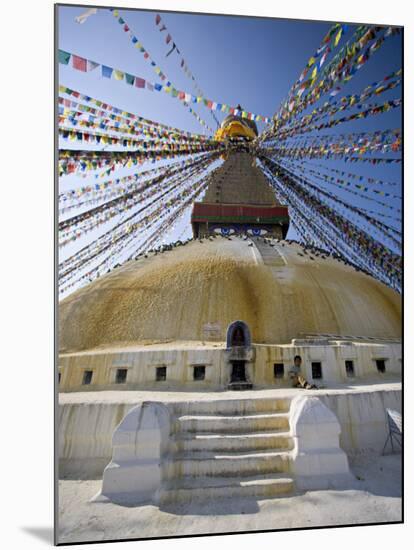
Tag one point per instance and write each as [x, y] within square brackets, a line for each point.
[316, 370]
[121, 376]
[380, 365]
[87, 377]
[199, 372]
[160, 374]
[278, 370]
[349, 368]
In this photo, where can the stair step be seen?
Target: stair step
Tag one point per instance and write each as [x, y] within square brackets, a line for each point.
[204, 463]
[232, 407]
[240, 423]
[190, 441]
[264, 486]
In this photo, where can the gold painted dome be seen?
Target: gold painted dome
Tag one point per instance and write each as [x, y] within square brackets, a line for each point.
[234, 126]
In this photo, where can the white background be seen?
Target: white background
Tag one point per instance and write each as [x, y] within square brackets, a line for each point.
[26, 272]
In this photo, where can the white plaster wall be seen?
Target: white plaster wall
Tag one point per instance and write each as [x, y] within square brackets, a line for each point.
[84, 437]
[363, 418]
[142, 364]
[85, 430]
[333, 362]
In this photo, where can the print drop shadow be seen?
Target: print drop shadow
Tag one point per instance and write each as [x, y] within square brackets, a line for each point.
[44, 534]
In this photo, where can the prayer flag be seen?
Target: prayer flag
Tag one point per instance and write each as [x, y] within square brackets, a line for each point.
[323, 59]
[91, 65]
[64, 57]
[84, 16]
[129, 78]
[157, 19]
[139, 82]
[119, 75]
[338, 37]
[106, 71]
[172, 49]
[79, 63]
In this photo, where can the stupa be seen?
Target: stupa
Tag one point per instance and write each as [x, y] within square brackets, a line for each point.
[167, 320]
[227, 310]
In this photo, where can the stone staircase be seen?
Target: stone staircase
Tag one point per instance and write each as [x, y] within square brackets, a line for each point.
[228, 448]
[269, 252]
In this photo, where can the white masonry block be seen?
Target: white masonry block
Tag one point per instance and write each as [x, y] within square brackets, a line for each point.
[138, 445]
[318, 461]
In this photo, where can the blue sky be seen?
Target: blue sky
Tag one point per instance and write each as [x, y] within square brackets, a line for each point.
[235, 60]
[251, 61]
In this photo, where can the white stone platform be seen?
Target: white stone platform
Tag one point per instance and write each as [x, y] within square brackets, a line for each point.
[87, 420]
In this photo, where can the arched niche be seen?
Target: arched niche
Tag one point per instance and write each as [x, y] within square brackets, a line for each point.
[238, 334]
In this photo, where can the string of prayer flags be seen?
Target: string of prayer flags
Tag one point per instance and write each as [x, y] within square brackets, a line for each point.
[331, 39]
[184, 96]
[183, 64]
[380, 227]
[71, 111]
[344, 183]
[329, 108]
[102, 191]
[381, 261]
[73, 228]
[157, 221]
[360, 178]
[371, 111]
[118, 114]
[73, 161]
[118, 238]
[340, 70]
[76, 134]
[138, 45]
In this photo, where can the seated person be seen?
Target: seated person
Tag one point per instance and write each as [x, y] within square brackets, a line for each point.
[298, 381]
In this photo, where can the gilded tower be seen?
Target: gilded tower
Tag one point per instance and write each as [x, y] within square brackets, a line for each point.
[239, 199]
